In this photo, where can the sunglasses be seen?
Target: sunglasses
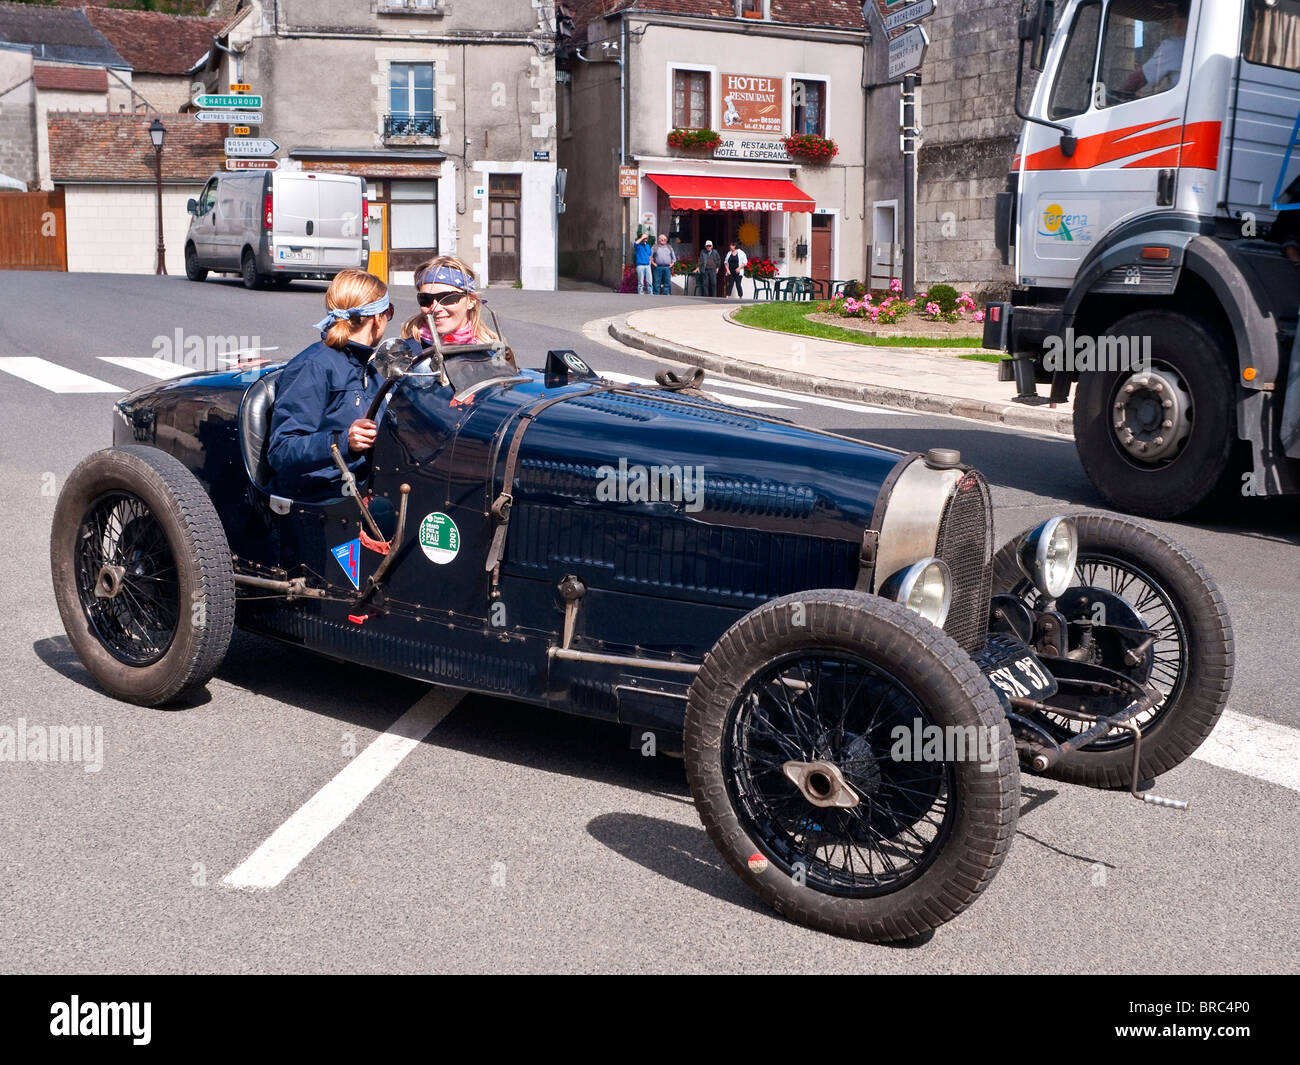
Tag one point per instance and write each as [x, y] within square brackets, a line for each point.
[447, 299]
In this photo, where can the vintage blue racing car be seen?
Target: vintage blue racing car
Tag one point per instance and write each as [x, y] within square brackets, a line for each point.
[820, 627]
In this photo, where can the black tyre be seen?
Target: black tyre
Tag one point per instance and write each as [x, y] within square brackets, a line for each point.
[142, 574]
[1159, 443]
[248, 270]
[821, 682]
[1150, 581]
[193, 270]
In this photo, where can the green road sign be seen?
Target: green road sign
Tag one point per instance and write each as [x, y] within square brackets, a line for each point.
[236, 100]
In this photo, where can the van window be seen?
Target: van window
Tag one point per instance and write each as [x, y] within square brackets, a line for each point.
[1142, 50]
[209, 197]
[1271, 37]
[1072, 93]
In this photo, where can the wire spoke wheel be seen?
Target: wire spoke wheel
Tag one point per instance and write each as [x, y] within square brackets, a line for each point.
[839, 710]
[122, 544]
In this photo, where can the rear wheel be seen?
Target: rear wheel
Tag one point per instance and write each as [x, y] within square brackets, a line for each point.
[142, 574]
[800, 756]
[193, 270]
[1158, 441]
[248, 271]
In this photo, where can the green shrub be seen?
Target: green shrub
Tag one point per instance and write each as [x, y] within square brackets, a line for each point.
[945, 296]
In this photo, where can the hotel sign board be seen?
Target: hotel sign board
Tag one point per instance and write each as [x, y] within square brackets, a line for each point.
[759, 149]
[752, 103]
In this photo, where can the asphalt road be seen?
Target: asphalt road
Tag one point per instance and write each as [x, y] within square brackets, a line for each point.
[514, 839]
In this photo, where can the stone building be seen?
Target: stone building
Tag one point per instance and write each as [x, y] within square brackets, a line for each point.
[753, 72]
[164, 52]
[446, 108]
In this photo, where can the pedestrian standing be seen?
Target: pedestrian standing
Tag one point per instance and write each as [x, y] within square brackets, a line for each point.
[734, 265]
[710, 264]
[644, 283]
[663, 258]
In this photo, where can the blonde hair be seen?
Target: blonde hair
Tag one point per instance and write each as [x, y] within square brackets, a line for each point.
[411, 327]
[350, 288]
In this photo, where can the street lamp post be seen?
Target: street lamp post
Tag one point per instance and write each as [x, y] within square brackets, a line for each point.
[156, 133]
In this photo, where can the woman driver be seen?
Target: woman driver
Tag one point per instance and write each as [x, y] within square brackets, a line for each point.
[323, 393]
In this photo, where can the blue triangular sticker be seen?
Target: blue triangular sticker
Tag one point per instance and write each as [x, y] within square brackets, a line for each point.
[349, 557]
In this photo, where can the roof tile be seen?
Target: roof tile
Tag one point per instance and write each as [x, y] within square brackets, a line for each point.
[116, 147]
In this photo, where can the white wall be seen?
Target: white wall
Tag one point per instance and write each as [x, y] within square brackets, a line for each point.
[113, 228]
[536, 222]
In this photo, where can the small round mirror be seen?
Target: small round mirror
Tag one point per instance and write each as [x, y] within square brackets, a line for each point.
[394, 357]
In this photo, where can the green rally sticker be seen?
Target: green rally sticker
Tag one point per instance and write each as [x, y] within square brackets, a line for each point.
[439, 538]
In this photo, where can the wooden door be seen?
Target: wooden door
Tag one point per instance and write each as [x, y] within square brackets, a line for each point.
[504, 194]
[823, 247]
[378, 263]
[35, 237]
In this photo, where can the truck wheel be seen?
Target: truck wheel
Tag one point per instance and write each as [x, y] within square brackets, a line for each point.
[142, 574]
[800, 752]
[193, 270]
[248, 271]
[1132, 576]
[1158, 442]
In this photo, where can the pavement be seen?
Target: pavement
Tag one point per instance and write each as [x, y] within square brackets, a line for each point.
[932, 380]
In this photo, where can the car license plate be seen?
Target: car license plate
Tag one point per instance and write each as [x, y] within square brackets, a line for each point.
[294, 255]
[1015, 669]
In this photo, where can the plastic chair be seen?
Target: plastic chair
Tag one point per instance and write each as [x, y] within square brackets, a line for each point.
[763, 288]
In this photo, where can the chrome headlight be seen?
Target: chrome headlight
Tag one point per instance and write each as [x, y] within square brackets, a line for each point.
[1048, 555]
[925, 587]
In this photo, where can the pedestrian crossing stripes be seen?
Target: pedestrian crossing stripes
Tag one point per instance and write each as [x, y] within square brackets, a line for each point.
[53, 377]
[158, 368]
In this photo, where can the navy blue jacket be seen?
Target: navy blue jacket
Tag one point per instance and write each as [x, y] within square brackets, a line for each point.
[318, 395]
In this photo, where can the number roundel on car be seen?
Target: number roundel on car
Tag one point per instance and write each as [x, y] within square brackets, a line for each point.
[439, 538]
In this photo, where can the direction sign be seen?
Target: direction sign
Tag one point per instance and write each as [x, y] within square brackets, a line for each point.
[252, 164]
[245, 118]
[236, 100]
[250, 146]
[911, 12]
[907, 52]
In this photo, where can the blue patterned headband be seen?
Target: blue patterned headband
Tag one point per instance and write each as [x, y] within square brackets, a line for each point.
[446, 275]
[340, 314]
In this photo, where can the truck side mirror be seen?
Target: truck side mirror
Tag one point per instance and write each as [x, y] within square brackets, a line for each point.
[192, 206]
[1036, 19]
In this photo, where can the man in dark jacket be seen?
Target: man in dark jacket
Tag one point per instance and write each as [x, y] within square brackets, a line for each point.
[710, 264]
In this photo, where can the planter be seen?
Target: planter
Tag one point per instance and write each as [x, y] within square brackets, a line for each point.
[694, 140]
[811, 148]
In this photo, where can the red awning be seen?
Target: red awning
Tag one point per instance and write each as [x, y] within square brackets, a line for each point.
[687, 193]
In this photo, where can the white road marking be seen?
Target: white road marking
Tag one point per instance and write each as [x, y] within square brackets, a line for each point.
[736, 401]
[162, 369]
[803, 397]
[53, 377]
[289, 844]
[1255, 747]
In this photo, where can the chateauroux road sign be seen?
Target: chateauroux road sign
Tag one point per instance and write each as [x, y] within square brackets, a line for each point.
[235, 100]
[245, 118]
[250, 146]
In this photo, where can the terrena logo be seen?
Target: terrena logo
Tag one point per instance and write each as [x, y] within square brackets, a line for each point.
[102, 1018]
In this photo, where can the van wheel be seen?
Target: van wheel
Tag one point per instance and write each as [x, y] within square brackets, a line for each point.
[248, 270]
[193, 270]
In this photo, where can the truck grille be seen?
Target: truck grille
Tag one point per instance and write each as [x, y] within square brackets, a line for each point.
[966, 545]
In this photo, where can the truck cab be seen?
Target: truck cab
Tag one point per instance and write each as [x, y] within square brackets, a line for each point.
[1149, 217]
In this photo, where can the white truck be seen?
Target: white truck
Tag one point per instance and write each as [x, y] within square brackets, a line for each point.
[1152, 220]
[277, 225]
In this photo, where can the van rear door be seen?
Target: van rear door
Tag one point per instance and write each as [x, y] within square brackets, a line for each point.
[294, 205]
[338, 223]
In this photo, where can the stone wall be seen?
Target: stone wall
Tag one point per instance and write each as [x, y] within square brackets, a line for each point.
[114, 228]
[18, 118]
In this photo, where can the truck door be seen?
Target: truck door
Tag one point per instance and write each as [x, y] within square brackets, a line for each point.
[204, 226]
[340, 204]
[1121, 85]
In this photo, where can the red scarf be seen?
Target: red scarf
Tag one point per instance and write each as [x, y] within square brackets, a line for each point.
[464, 335]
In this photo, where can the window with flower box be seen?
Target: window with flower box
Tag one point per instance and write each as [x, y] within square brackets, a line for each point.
[691, 96]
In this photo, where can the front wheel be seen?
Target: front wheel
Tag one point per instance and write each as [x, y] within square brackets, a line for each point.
[1157, 440]
[1130, 576]
[193, 270]
[142, 574]
[852, 765]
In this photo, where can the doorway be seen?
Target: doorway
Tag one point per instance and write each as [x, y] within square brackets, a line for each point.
[823, 247]
[378, 264]
[504, 195]
[886, 255]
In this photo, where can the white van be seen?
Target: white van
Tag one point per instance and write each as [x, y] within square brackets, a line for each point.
[275, 225]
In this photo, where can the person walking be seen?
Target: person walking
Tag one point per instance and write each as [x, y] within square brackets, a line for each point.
[663, 258]
[644, 280]
[710, 264]
[734, 266]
